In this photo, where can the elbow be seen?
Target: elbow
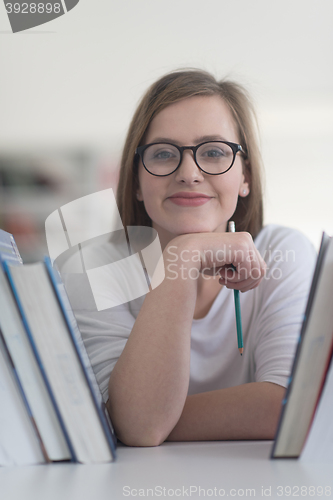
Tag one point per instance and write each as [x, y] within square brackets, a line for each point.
[136, 435]
[133, 433]
[269, 432]
[272, 410]
[141, 439]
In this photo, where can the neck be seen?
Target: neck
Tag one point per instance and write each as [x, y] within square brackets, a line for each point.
[164, 236]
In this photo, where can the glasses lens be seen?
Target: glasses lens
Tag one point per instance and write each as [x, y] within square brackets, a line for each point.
[161, 159]
[215, 157]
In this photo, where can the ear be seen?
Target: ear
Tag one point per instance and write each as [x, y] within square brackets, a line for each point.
[244, 188]
[139, 194]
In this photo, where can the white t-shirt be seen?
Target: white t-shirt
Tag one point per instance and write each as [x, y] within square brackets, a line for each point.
[271, 319]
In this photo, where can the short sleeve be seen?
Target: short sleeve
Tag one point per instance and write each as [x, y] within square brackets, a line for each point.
[104, 332]
[280, 303]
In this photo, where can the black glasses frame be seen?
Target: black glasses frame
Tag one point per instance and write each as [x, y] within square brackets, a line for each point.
[236, 148]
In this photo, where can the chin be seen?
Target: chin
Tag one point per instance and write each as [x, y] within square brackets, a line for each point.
[193, 228]
[171, 229]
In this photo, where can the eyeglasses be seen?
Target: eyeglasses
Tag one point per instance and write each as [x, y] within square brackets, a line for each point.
[213, 157]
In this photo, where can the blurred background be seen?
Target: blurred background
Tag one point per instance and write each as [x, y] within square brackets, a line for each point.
[70, 87]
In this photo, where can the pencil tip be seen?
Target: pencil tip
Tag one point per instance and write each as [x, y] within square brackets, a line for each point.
[241, 349]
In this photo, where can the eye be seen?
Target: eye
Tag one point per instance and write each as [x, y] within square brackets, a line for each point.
[164, 155]
[214, 151]
[160, 153]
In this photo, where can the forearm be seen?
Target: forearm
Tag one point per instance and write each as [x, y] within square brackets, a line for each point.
[149, 383]
[148, 386]
[249, 411]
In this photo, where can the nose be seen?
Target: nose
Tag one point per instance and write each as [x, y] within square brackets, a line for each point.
[188, 171]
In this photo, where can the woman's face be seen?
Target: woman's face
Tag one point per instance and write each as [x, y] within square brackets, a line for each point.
[188, 123]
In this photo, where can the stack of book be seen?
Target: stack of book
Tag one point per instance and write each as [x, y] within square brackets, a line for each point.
[51, 408]
[306, 425]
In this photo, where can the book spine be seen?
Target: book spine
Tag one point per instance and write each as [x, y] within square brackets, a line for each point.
[8, 248]
[3, 346]
[39, 361]
[101, 409]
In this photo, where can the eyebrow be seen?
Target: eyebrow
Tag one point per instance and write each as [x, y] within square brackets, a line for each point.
[198, 140]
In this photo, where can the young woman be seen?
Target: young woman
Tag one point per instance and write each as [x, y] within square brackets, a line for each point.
[168, 365]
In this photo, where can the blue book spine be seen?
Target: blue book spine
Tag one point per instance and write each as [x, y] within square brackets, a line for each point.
[3, 347]
[8, 248]
[82, 356]
[38, 358]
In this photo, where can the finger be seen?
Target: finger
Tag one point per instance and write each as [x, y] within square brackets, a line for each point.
[240, 275]
[212, 271]
[243, 285]
[237, 286]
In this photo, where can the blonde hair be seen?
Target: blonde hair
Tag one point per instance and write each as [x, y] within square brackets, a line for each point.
[172, 88]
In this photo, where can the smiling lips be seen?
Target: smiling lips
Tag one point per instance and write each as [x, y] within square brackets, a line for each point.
[187, 199]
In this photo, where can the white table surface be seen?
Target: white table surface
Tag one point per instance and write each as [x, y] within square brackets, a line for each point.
[174, 470]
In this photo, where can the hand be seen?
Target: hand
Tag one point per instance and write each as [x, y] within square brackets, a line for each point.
[231, 256]
[246, 268]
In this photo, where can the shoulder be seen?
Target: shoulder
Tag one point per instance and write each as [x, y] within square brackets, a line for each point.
[102, 275]
[290, 258]
[96, 253]
[276, 242]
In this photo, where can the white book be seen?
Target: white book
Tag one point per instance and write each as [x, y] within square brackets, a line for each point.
[19, 443]
[30, 376]
[319, 444]
[60, 359]
[311, 361]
